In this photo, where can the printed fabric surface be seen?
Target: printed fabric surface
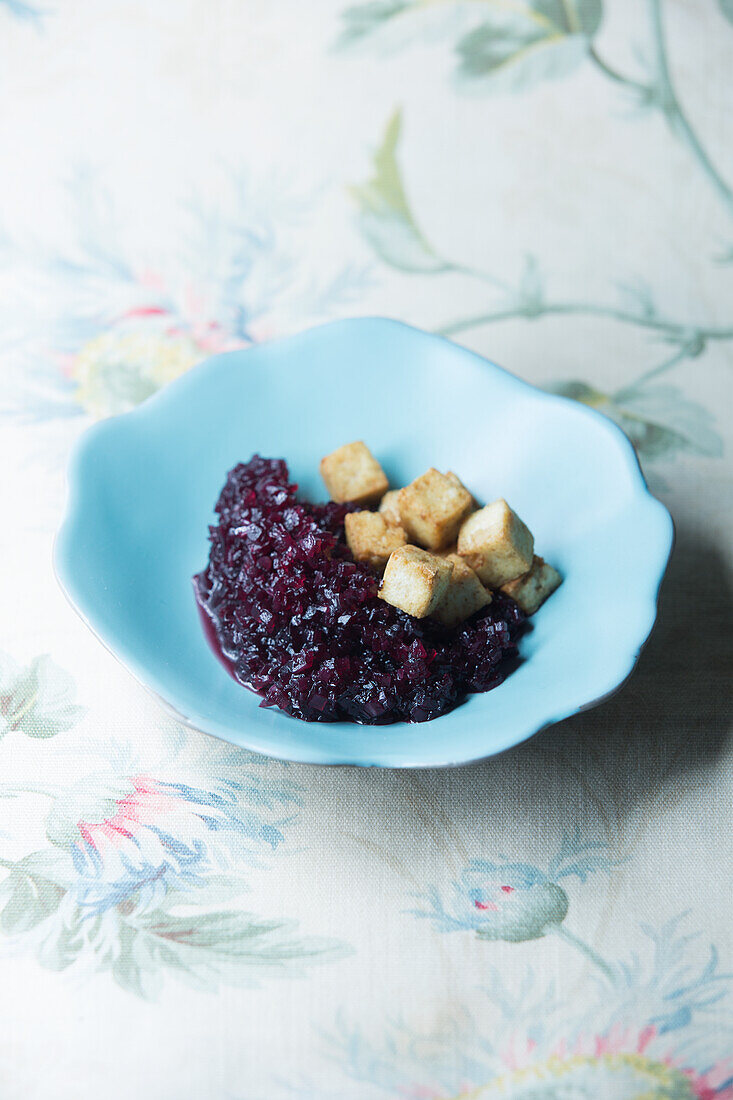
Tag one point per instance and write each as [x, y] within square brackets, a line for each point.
[549, 182]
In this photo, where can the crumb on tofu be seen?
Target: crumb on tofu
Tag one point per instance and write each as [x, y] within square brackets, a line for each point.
[465, 595]
[496, 544]
[390, 508]
[432, 509]
[371, 539]
[415, 581]
[532, 589]
[353, 474]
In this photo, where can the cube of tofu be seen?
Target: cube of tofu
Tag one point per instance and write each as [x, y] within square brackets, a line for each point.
[532, 589]
[496, 544]
[454, 478]
[415, 581]
[371, 539]
[390, 508]
[352, 473]
[432, 509]
[464, 597]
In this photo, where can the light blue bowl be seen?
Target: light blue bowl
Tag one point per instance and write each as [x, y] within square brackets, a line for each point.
[143, 487]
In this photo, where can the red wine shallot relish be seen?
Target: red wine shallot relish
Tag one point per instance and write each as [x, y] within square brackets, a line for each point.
[299, 622]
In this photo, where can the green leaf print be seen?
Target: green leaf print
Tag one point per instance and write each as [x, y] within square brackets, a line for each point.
[362, 19]
[521, 44]
[385, 218]
[31, 900]
[138, 947]
[511, 45]
[37, 700]
[659, 420]
[133, 970]
[209, 949]
[71, 936]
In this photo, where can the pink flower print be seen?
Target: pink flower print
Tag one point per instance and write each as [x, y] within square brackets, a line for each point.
[134, 839]
[513, 902]
[627, 1063]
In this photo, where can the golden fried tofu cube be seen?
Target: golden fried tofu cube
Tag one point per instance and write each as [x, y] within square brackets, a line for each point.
[532, 589]
[496, 544]
[390, 508]
[432, 509]
[454, 478]
[464, 597]
[415, 581]
[371, 539]
[352, 473]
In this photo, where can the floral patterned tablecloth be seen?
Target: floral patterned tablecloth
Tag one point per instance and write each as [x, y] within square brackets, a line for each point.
[549, 182]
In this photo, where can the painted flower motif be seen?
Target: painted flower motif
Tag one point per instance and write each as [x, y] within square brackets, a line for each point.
[36, 700]
[127, 853]
[147, 346]
[137, 839]
[517, 901]
[512, 903]
[620, 1066]
[122, 327]
[115, 371]
[654, 1032]
[621, 1077]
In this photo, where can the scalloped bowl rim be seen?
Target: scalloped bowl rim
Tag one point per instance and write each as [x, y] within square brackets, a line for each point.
[303, 750]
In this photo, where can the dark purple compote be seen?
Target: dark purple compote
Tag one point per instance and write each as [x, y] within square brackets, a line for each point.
[299, 622]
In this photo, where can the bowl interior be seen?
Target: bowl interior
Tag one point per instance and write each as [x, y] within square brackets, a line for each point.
[143, 487]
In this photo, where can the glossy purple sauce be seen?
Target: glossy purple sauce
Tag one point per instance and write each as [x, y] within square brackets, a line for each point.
[295, 619]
